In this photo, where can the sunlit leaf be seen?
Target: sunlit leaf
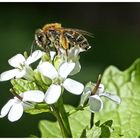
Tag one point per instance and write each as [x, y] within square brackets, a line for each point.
[78, 121]
[126, 116]
[94, 132]
[49, 129]
[106, 129]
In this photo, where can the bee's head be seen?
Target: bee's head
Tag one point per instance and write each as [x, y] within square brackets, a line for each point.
[41, 39]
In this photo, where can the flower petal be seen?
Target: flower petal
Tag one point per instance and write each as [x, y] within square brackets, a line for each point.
[33, 96]
[74, 52]
[7, 75]
[112, 97]
[52, 54]
[27, 73]
[84, 97]
[6, 108]
[16, 60]
[48, 70]
[53, 93]
[76, 69]
[101, 88]
[73, 86]
[15, 112]
[34, 57]
[65, 69]
[20, 73]
[95, 103]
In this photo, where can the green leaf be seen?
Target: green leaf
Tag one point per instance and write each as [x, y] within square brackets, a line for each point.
[37, 109]
[49, 129]
[95, 132]
[99, 131]
[107, 123]
[20, 85]
[106, 129]
[97, 123]
[126, 116]
[83, 135]
[78, 121]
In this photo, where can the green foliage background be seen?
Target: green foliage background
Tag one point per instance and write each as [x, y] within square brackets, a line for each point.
[116, 27]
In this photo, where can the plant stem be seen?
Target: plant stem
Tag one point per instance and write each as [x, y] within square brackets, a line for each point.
[57, 115]
[61, 115]
[64, 117]
[92, 120]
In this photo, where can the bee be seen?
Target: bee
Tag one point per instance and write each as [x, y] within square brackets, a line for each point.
[55, 36]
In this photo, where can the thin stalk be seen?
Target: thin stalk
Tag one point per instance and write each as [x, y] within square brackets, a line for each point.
[62, 127]
[64, 116]
[93, 93]
[91, 120]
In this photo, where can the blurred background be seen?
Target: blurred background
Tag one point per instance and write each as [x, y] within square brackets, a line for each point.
[116, 29]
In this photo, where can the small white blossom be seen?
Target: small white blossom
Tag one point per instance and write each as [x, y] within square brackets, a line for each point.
[21, 66]
[59, 79]
[15, 107]
[95, 101]
[71, 56]
[74, 56]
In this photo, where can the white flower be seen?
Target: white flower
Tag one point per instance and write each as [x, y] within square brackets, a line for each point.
[72, 56]
[95, 102]
[59, 79]
[15, 107]
[21, 66]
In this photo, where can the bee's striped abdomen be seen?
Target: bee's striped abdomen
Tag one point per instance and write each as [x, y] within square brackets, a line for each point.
[76, 38]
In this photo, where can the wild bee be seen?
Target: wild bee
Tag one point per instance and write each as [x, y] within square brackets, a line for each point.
[55, 36]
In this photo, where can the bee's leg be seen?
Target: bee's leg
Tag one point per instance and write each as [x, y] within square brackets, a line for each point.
[46, 49]
[57, 48]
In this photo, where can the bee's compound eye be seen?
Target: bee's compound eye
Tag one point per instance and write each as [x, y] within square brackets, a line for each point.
[40, 39]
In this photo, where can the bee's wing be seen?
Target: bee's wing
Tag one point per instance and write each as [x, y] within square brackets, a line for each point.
[85, 32]
[81, 31]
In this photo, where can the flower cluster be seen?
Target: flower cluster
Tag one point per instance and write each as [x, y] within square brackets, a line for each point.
[50, 78]
[56, 68]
